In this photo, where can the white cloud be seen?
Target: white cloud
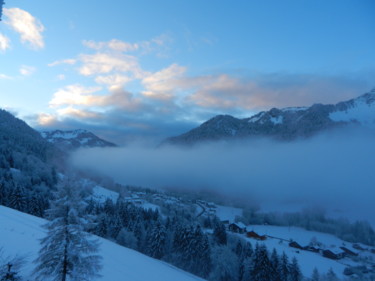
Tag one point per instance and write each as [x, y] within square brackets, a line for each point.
[61, 77]
[113, 81]
[66, 61]
[29, 27]
[27, 70]
[114, 44]
[74, 95]
[4, 42]
[104, 63]
[87, 97]
[165, 83]
[3, 76]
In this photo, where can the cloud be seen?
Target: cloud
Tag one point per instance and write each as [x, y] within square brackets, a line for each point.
[74, 95]
[114, 44]
[4, 42]
[105, 63]
[87, 97]
[27, 70]
[330, 170]
[3, 76]
[145, 47]
[113, 81]
[163, 84]
[29, 27]
[66, 61]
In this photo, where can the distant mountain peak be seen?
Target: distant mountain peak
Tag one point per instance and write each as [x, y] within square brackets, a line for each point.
[73, 139]
[286, 123]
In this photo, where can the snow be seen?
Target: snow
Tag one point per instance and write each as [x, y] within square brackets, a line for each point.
[361, 112]
[307, 260]
[20, 234]
[255, 118]
[277, 120]
[228, 213]
[101, 194]
[293, 109]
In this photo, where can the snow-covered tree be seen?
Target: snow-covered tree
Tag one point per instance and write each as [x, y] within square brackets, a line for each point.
[225, 264]
[157, 241]
[261, 267]
[67, 251]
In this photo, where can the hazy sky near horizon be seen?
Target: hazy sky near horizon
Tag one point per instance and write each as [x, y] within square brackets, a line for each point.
[158, 68]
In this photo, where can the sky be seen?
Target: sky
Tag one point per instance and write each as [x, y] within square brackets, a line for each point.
[151, 69]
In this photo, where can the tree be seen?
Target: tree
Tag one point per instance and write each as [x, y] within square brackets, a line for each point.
[220, 234]
[284, 267]
[294, 271]
[261, 267]
[225, 264]
[315, 275]
[67, 251]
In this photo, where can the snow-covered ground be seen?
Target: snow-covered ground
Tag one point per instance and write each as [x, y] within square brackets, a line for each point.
[307, 260]
[227, 213]
[101, 194]
[20, 234]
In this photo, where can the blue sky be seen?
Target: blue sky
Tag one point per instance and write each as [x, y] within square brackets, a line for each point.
[157, 68]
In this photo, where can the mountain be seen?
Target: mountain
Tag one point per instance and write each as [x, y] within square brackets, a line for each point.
[285, 124]
[75, 139]
[20, 234]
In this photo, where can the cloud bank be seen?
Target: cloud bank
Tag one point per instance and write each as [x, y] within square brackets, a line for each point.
[335, 170]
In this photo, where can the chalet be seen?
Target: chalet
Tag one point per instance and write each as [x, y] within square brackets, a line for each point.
[358, 247]
[311, 249]
[254, 235]
[330, 255]
[237, 227]
[294, 244]
[348, 252]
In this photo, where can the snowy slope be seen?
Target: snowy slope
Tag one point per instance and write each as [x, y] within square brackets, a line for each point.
[74, 139]
[285, 123]
[20, 234]
[278, 237]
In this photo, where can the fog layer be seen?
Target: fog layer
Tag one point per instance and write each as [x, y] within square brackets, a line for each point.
[331, 170]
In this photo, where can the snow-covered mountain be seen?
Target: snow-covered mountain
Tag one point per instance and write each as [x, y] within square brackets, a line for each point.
[20, 234]
[75, 139]
[287, 123]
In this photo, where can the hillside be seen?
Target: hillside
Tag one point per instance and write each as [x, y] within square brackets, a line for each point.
[285, 124]
[74, 139]
[20, 234]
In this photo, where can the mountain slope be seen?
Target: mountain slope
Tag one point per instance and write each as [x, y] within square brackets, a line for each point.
[286, 123]
[75, 139]
[20, 234]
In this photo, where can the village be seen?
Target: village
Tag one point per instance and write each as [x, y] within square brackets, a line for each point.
[353, 259]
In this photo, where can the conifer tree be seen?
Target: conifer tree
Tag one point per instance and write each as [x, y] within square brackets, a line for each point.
[294, 271]
[67, 251]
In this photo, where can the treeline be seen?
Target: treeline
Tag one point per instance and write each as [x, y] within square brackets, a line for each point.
[211, 254]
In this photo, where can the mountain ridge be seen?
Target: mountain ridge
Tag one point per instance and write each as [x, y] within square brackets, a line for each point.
[286, 123]
[74, 139]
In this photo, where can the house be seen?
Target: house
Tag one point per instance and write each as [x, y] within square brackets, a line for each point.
[294, 244]
[311, 249]
[348, 252]
[254, 235]
[358, 247]
[330, 255]
[237, 227]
